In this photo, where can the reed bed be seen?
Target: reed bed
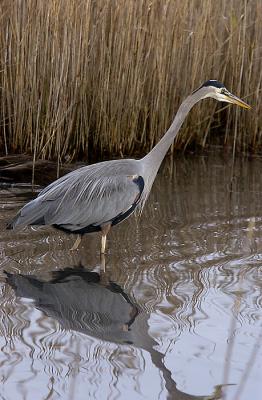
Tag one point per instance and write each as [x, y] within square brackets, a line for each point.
[82, 79]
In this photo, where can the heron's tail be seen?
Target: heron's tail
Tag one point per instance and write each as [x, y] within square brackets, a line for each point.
[31, 214]
[12, 224]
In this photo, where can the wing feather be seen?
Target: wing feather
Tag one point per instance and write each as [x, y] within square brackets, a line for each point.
[91, 195]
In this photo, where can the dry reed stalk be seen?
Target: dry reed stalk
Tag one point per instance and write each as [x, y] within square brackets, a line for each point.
[103, 77]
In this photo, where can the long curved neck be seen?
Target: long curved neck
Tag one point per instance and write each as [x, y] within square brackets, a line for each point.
[156, 155]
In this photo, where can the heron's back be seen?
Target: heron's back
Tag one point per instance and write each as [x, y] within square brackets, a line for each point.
[87, 197]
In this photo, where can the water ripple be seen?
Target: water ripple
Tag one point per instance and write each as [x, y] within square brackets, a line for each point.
[177, 280]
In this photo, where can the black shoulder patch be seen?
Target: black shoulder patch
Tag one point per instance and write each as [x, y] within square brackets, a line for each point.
[140, 183]
[211, 82]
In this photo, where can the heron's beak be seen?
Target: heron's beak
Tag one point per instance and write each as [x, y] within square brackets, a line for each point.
[231, 98]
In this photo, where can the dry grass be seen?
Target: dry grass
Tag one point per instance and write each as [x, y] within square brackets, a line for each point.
[95, 77]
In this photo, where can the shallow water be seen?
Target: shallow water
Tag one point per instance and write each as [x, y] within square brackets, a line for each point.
[177, 313]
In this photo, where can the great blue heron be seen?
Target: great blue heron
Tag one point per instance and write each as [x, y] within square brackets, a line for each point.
[99, 196]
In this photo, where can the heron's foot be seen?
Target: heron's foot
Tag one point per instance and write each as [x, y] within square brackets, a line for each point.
[77, 243]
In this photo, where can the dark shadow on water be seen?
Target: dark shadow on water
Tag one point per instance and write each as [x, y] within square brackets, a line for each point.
[88, 302]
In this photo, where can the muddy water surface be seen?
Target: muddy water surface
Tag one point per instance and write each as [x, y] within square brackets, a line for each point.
[177, 314]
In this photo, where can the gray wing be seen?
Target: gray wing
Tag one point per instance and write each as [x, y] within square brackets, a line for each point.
[92, 195]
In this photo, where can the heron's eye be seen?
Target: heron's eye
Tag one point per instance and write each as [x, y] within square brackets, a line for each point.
[223, 91]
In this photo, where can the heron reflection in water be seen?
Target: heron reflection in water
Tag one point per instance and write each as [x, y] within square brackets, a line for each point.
[97, 197]
[90, 303]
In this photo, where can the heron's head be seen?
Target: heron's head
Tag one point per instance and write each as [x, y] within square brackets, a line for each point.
[217, 91]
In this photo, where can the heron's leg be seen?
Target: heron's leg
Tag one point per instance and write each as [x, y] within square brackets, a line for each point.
[77, 243]
[103, 265]
[105, 229]
[103, 244]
